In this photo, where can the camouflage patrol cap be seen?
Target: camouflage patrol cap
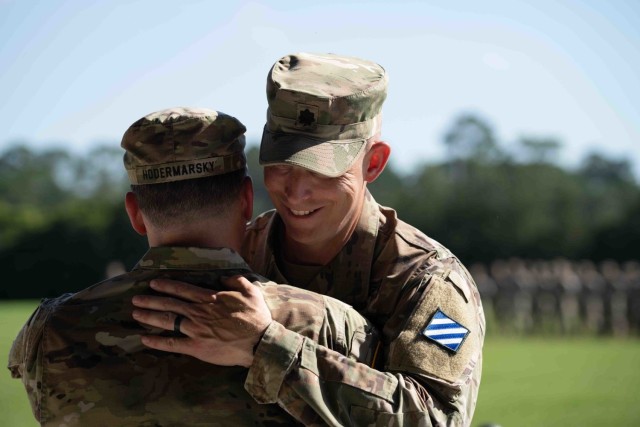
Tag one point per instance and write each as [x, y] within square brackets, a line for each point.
[183, 143]
[322, 110]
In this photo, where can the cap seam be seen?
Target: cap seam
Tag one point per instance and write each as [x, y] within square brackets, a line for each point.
[333, 97]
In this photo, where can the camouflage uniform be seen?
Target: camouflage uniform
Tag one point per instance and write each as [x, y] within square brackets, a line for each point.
[82, 362]
[398, 278]
[322, 111]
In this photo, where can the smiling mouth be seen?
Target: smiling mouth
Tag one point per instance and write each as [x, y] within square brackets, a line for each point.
[301, 213]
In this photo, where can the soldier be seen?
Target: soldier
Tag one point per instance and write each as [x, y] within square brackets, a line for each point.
[508, 318]
[570, 289]
[617, 301]
[546, 299]
[321, 146]
[488, 289]
[631, 274]
[81, 356]
[592, 298]
[524, 283]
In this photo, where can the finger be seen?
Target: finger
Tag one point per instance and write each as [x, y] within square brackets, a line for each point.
[152, 302]
[170, 344]
[160, 319]
[237, 283]
[181, 290]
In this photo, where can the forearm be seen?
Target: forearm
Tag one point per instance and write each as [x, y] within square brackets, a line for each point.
[319, 386]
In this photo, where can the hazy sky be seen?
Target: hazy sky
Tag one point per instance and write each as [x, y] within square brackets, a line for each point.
[80, 72]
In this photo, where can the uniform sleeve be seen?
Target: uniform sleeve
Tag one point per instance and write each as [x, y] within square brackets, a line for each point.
[430, 376]
[25, 356]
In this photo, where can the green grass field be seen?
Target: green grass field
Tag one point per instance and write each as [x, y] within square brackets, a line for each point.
[526, 382]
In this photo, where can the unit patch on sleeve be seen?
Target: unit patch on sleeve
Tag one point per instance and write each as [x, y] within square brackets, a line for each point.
[445, 331]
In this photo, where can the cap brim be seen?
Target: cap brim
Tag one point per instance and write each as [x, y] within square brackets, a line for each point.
[328, 158]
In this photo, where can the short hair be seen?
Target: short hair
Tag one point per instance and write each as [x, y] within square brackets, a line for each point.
[176, 202]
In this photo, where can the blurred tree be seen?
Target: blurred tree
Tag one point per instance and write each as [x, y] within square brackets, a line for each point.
[28, 190]
[598, 169]
[471, 138]
[619, 241]
[28, 178]
[540, 150]
[99, 173]
[490, 207]
[55, 211]
[64, 257]
[610, 189]
[548, 221]
[613, 204]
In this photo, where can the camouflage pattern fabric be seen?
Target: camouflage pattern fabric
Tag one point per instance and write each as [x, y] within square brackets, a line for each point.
[82, 362]
[322, 109]
[183, 143]
[410, 287]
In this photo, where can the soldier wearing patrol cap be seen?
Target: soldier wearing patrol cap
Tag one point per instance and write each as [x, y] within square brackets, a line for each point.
[321, 146]
[82, 356]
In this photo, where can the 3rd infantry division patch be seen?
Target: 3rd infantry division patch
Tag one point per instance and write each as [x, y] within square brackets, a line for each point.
[445, 331]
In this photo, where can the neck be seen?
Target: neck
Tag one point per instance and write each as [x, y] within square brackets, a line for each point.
[201, 234]
[316, 254]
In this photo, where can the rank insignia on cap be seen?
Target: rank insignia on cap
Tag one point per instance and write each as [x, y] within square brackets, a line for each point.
[445, 331]
[306, 116]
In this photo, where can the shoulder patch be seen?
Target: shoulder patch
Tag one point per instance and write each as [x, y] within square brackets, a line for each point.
[422, 349]
[445, 331]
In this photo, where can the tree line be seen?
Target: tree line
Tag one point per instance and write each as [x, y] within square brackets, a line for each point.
[62, 218]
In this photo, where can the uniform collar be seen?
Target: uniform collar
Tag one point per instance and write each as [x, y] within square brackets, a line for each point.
[191, 258]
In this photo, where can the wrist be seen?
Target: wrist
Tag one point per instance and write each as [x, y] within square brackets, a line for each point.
[255, 346]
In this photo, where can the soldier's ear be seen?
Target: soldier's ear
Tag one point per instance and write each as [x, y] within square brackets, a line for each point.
[135, 215]
[375, 160]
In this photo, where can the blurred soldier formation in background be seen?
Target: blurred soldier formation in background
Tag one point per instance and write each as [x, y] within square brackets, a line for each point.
[560, 296]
